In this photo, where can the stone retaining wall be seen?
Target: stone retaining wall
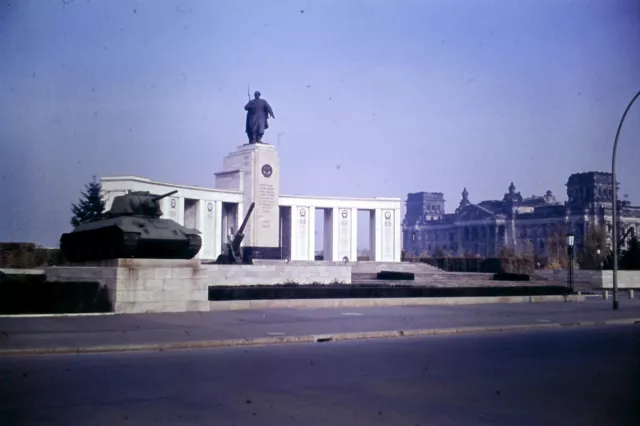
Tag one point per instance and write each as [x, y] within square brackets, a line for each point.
[363, 266]
[235, 305]
[158, 285]
[595, 279]
[269, 274]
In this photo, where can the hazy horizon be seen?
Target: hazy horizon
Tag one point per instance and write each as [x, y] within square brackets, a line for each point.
[372, 98]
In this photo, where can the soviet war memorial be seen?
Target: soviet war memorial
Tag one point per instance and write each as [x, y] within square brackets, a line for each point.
[319, 213]
[162, 247]
[280, 226]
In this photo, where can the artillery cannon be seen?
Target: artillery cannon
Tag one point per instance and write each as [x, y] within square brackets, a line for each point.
[231, 253]
[132, 228]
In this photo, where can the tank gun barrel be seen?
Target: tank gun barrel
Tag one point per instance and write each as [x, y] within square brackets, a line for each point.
[160, 197]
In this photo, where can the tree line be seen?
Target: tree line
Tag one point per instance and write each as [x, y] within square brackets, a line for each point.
[594, 253]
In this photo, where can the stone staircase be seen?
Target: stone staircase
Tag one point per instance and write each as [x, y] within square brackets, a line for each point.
[375, 267]
[365, 272]
[430, 276]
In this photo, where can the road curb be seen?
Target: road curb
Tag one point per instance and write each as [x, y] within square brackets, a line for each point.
[84, 314]
[331, 337]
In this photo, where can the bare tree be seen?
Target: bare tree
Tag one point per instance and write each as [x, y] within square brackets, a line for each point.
[596, 239]
[557, 249]
[438, 252]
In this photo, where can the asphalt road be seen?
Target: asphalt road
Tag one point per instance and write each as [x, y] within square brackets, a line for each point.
[116, 330]
[575, 376]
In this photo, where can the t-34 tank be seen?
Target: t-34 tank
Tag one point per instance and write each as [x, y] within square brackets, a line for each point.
[132, 228]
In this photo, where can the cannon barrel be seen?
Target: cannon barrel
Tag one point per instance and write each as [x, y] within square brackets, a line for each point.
[160, 197]
[231, 253]
[246, 218]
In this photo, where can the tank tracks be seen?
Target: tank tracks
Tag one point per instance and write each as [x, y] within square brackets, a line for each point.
[113, 243]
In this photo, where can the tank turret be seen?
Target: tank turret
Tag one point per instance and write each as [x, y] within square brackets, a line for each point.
[132, 228]
[138, 203]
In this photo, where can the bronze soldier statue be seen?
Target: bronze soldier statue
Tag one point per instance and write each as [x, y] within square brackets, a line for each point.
[258, 112]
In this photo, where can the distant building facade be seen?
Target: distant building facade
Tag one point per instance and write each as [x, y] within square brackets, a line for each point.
[486, 227]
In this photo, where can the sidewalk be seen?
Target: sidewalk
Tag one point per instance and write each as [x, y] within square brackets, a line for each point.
[183, 330]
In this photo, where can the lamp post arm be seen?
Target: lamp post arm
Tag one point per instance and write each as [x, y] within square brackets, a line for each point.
[614, 191]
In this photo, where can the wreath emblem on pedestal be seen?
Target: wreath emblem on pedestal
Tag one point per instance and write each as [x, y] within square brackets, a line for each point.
[267, 170]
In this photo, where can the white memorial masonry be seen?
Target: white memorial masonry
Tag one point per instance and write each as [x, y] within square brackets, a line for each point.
[281, 226]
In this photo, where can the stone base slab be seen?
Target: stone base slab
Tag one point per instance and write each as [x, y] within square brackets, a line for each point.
[234, 305]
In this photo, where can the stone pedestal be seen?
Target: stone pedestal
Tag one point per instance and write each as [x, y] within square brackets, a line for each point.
[254, 169]
[144, 285]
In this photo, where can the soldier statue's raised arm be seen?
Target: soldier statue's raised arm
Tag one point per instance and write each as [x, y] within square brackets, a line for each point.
[258, 113]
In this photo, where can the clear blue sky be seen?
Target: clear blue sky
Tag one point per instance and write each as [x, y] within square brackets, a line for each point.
[375, 98]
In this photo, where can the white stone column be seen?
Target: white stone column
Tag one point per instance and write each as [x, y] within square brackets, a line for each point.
[397, 255]
[218, 231]
[207, 226]
[302, 233]
[312, 234]
[297, 220]
[353, 257]
[335, 234]
[199, 225]
[342, 235]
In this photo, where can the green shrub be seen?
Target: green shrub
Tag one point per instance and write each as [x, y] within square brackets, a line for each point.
[31, 294]
[506, 276]
[27, 256]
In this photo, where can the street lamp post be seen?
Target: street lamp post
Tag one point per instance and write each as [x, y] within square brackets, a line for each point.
[614, 215]
[599, 261]
[570, 242]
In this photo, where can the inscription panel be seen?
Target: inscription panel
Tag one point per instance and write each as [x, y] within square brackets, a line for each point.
[266, 194]
[209, 230]
[173, 208]
[388, 241]
[302, 233]
[344, 233]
